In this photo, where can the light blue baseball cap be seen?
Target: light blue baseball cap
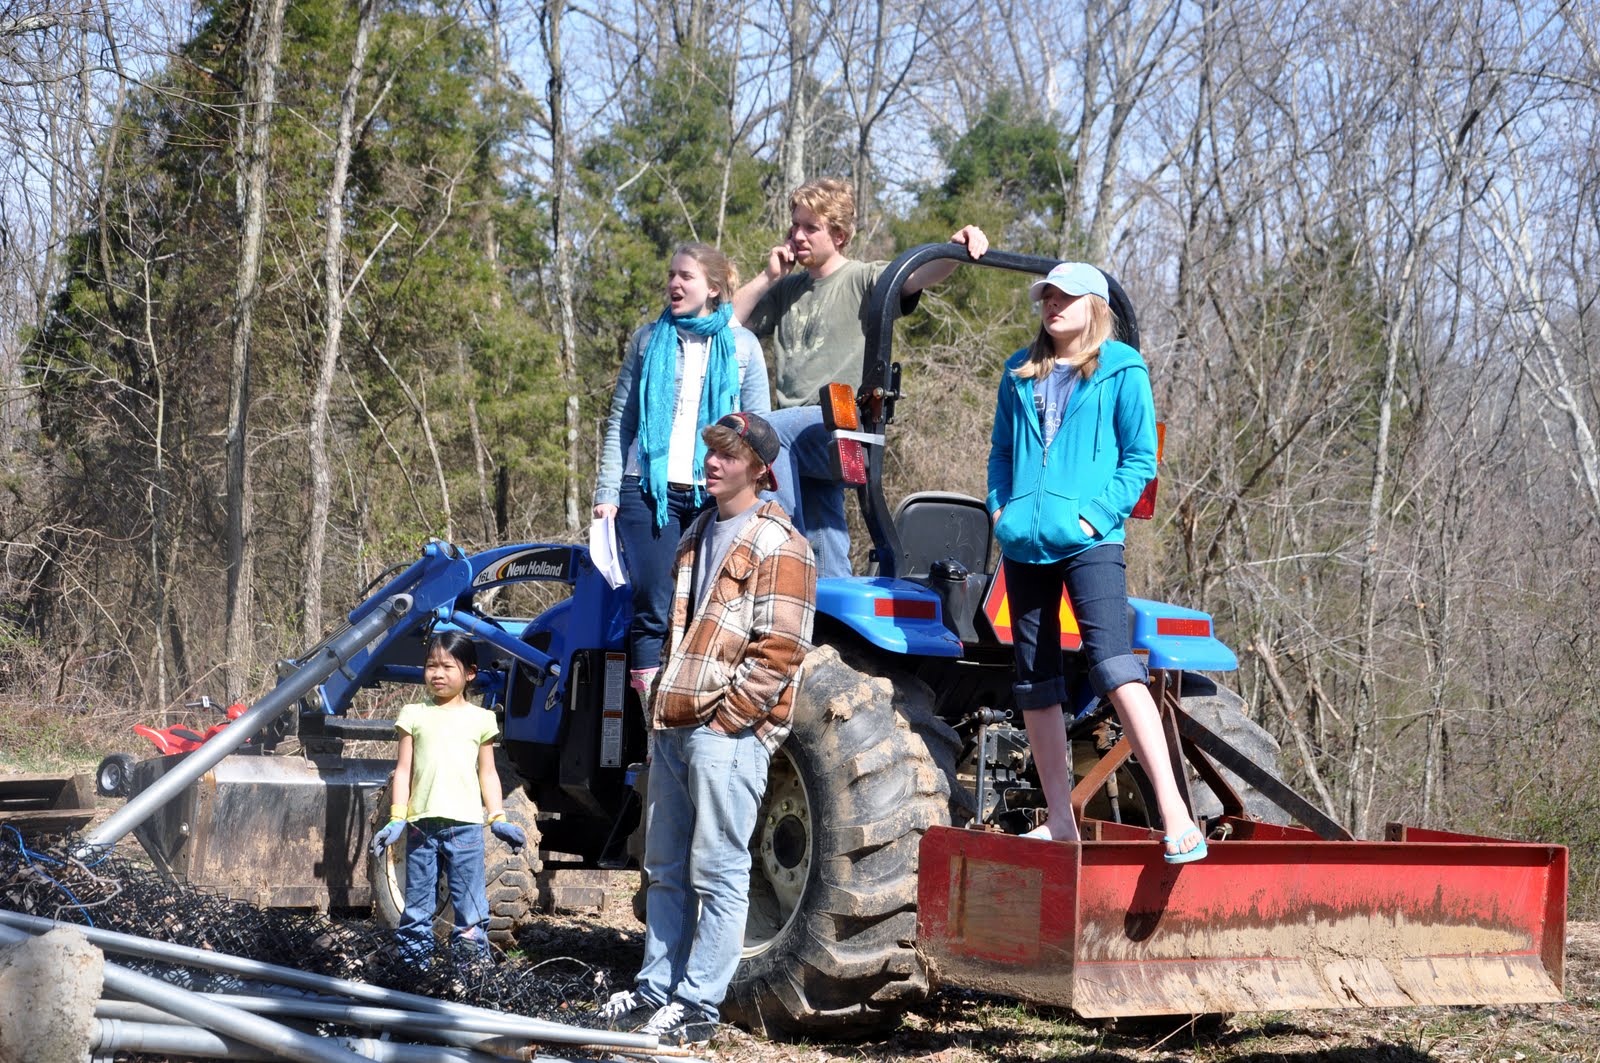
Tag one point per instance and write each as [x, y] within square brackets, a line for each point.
[1074, 278]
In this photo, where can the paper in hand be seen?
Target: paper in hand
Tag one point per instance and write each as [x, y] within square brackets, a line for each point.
[604, 553]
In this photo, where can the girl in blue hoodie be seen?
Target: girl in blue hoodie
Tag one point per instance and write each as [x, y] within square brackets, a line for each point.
[1074, 444]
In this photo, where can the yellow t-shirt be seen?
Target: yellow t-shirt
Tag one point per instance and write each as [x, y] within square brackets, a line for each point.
[444, 760]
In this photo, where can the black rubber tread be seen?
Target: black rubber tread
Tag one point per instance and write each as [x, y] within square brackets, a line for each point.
[112, 775]
[512, 879]
[1225, 714]
[641, 787]
[879, 770]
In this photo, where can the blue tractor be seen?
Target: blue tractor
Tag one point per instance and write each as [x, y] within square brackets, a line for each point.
[900, 724]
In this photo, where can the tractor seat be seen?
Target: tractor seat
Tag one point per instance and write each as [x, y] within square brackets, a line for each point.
[942, 526]
[945, 543]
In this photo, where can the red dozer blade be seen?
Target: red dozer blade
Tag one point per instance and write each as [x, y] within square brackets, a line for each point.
[1274, 918]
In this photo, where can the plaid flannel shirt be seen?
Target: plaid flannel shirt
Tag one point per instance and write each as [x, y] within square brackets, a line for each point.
[738, 659]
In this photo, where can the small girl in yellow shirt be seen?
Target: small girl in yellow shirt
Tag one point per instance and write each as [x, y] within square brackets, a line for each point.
[444, 780]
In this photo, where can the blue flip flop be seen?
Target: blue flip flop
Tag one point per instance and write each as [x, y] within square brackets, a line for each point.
[1197, 853]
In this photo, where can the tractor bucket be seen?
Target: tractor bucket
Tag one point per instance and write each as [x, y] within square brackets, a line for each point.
[1274, 918]
[275, 831]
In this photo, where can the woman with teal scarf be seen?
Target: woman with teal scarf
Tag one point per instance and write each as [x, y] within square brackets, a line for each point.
[682, 372]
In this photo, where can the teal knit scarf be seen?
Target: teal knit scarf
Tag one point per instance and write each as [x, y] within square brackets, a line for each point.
[658, 394]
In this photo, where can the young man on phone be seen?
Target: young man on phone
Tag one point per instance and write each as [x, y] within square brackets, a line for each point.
[816, 316]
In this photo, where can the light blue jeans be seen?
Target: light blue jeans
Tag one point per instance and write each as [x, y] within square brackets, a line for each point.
[807, 489]
[435, 846]
[705, 791]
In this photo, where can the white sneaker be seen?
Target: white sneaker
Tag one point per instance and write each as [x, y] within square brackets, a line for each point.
[626, 1011]
[674, 1024]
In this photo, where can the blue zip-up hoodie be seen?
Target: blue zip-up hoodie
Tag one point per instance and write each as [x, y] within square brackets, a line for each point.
[1097, 466]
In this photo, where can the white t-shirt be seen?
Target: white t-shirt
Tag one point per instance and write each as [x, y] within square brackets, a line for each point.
[685, 415]
[686, 418]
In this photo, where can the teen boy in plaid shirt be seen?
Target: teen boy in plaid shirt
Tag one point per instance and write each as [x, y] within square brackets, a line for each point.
[743, 604]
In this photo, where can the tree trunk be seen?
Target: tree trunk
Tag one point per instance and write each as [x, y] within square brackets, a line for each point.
[797, 114]
[156, 496]
[264, 48]
[333, 304]
[551, 17]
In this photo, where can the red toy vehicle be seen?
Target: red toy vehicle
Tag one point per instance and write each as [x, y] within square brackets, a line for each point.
[111, 777]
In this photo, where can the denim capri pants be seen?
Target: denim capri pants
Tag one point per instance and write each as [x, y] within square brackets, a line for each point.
[1096, 581]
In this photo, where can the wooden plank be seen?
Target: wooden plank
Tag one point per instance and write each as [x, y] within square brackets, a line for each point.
[48, 820]
[31, 792]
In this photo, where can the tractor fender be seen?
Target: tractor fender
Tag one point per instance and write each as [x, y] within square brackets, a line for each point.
[891, 614]
[1178, 639]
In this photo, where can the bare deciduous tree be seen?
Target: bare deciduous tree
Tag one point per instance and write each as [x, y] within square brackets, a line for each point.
[264, 49]
[333, 310]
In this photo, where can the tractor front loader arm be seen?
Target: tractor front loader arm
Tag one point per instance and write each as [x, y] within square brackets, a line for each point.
[331, 656]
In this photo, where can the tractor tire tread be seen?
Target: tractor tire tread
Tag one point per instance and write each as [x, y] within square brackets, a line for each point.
[846, 964]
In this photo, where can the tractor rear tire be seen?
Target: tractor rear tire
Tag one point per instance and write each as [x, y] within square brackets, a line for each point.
[511, 878]
[829, 939]
[1225, 714]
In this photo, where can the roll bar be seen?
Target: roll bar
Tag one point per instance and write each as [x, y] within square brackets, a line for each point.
[880, 374]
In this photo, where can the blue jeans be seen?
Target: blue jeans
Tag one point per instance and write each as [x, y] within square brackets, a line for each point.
[808, 490]
[649, 552]
[1096, 582]
[705, 792]
[456, 849]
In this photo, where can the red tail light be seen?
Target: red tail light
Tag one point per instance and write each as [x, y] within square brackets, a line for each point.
[851, 458]
[839, 414]
[1145, 508]
[910, 608]
[1175, 625]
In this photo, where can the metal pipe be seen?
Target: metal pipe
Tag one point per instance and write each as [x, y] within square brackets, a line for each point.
[529, 654]
[120, 1035]
[274, 1037]
[132, 1011]
[367, 1016]
[467, 1031]
[342, 1014]
[293, 687]
[252, 1029]
[150, 949]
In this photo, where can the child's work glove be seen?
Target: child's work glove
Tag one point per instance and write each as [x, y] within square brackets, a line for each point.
[387, 836]
[509, 833]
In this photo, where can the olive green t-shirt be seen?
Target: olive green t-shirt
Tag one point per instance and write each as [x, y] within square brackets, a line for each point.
[818, 329]
[444, 759]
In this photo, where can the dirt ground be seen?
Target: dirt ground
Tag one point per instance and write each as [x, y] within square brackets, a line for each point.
[961, 1027]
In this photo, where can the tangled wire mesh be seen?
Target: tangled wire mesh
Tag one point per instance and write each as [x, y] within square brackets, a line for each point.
[39, 876]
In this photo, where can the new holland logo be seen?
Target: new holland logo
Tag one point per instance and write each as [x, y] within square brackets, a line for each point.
[531, 564]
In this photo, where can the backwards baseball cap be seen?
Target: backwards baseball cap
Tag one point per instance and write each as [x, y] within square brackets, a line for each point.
[1074, 278]
[754, 430]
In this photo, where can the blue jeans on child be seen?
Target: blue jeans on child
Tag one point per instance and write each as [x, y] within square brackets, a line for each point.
[1097, 584]
[807, 488]
[456, 849]
[705, 791]
[649, 552]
